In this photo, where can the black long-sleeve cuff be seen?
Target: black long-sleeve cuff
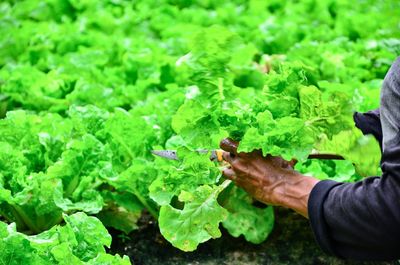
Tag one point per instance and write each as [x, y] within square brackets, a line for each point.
[316, 214]
[369, 123]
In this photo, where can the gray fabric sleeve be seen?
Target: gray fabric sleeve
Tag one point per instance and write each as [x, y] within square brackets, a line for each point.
[390, 105]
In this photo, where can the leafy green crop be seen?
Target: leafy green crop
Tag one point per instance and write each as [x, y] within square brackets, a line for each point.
[80, 241]
[89, 88]
[197, 222]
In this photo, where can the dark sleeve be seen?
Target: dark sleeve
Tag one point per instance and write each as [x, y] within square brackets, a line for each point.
[369, 123]
[360, 220]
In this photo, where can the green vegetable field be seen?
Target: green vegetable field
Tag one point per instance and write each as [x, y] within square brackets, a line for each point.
[88, 88]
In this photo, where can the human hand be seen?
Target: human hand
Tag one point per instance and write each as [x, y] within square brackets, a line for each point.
[259, 176]
[269, 179]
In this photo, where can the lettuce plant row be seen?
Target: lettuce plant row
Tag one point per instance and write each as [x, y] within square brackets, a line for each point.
[89, 88]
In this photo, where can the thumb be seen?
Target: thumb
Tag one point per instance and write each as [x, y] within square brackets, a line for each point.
[292, 162]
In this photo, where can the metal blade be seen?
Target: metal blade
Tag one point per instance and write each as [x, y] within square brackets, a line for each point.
[215, 155]
[173, 154]
[168, 154]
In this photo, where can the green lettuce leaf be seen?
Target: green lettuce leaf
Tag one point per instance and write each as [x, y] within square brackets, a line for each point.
[197, 222]
[80, 241]
[245, 219]
[193, 171]
[362, 151]
[79, 167]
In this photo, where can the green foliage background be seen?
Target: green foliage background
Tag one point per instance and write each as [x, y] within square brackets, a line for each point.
[90, 87]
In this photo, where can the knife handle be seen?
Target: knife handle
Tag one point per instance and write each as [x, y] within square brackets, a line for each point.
[216, 155]
[326, 157]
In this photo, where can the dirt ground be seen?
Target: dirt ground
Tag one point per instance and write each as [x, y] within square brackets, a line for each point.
[291, 243]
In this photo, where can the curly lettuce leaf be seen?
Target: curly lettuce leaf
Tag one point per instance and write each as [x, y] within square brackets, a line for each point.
[193, 171]
[128, 137]
[80, 241]
[338, 170]
[363, 151]
[287, 137]
[245, 219]
[133, 187]
[197, 222]
[79, 167]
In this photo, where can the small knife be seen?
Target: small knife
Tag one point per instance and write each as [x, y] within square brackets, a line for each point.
[216, 155]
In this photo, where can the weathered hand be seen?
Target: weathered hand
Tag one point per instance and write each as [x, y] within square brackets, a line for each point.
[270, 180]
[258, 175]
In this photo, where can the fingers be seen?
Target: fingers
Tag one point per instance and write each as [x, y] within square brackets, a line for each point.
[229, 173]
[229, 145]
[228, 157]
[292, 163]
[282, 163]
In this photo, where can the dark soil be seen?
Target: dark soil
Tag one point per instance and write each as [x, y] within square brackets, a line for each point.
[291, 242]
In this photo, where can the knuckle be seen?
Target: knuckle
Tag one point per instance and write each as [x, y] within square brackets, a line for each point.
[235, 164]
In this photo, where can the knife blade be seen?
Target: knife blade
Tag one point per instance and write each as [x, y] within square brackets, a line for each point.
[216, 155]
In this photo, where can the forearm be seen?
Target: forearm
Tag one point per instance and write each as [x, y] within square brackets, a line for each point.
[294, 190]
